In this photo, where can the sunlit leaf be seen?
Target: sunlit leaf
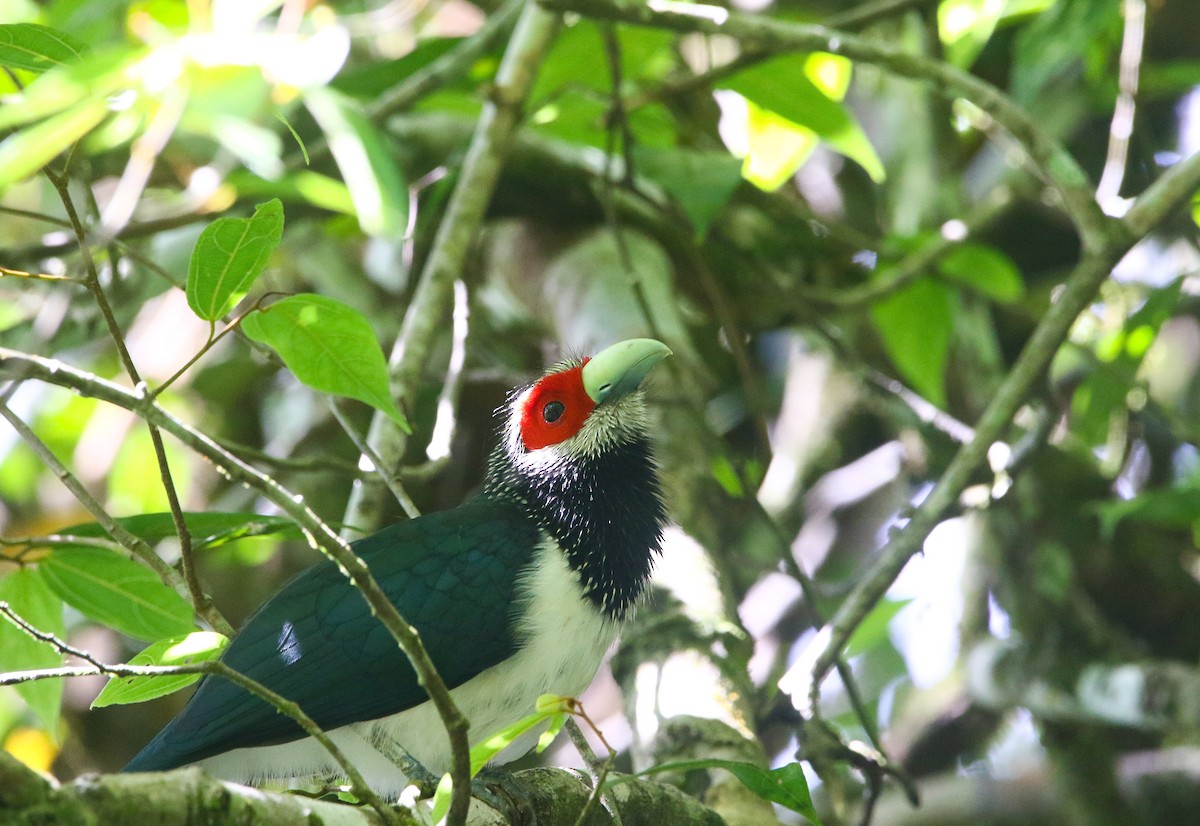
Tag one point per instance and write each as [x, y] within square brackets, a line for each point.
[329, 346]
[37, 48]
[775, 147]
[965, 26]
[27, 593]
[117, 592]
[915, 324]
[984, 269]
[367, 164]
[28, 150]
[184, 649]
[229, 255]
[783, 86]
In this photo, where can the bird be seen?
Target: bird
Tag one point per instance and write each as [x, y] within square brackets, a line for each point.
[518, 592]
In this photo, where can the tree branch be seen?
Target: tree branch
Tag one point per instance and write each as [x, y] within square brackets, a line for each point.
[427, 313]
[761, 34]
[24, 366]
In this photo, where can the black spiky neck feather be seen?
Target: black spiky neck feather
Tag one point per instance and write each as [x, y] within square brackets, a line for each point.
[603, 506]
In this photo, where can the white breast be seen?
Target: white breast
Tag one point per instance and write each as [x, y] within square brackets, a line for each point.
[564, 642]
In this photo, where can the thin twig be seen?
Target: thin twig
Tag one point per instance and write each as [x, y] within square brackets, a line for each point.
[393, 484]
[762, 34]
[1158, 201]
[126, 539]
[45, 636]
[199, 599]
[598, 769]
[1121, 126]
[6, 272]
[358, 784]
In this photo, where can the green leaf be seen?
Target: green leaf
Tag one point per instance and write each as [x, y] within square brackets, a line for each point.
[373, 79]
[984, 269]
[915, 324]
[965, 26]
[702, 182]
[26, 592]
[786, 785]
[209, 529]
[1104, 393]
[1176, 507]
[873, 629]
[329, 346]
[775, 147]
[184, 649]
[549, 707]
[783, 86]
[117, 592]
[303, 186]
[36, 48]
[25, 152]
[367, 164]
[229, 255]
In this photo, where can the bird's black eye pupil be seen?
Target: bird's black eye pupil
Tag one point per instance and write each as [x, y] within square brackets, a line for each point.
[553, 411]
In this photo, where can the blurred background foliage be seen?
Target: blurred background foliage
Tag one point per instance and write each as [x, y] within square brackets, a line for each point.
[846, 263]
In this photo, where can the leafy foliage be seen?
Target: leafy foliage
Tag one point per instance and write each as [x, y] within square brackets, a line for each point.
[858, 238]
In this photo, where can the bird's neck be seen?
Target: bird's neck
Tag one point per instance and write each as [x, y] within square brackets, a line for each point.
[605, 512]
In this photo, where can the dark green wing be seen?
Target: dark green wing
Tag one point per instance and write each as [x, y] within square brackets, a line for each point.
[451, 574]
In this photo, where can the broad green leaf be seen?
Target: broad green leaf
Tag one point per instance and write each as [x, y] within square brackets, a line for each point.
[874, 628]
[984, 269]
[915, 324]
[26, 592]
[229, 255]
[329, 346]
[784, 85]
[117, 592]
[25, 152]
[964, 27]
[786, 786]
[702, 182]
[367, 164]
[37, 48]
[209, 529]
[184, 649]
[775, 147]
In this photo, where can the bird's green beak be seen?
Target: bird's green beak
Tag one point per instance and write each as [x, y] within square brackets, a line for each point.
[618, 370]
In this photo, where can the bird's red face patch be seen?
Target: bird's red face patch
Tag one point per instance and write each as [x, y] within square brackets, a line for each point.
[555, 409]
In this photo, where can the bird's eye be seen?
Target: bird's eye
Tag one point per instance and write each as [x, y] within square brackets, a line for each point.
[553, 411]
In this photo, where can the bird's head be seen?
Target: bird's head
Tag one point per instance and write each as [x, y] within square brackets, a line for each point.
[574, 450]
